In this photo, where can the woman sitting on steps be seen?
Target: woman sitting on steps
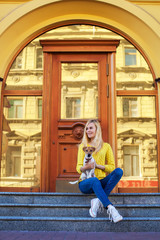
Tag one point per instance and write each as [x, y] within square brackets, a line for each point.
[101, 185]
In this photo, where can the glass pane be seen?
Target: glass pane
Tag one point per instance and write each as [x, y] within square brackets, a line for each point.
[26, 72]
[39, 108]
[130, 57]
[137, 141]
[132, 71]
[79, 90]
[16, 108]
[21, 142]
[135, 165]
[127, 165]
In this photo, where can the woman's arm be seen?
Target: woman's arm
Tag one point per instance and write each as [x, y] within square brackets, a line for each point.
[100, 167]
[110, 162]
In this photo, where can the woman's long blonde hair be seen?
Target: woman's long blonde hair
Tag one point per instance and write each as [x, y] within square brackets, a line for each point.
[98, 141]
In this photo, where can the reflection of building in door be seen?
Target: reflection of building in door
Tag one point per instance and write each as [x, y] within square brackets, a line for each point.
[79, 90]
[13, 162]
[131, 163]
[20, 165]
[130, 107]
[137, 148]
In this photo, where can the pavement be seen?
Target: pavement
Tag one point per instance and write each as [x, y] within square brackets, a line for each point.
[39, 235]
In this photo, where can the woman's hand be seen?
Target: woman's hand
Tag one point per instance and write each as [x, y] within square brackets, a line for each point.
[88, 166]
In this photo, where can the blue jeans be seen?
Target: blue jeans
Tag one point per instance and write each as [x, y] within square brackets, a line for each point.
[103, 187]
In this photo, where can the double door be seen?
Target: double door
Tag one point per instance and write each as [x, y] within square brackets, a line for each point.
[79, 84]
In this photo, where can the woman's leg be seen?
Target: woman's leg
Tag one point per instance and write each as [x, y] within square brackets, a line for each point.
[109, 182]
[93, 185]
[103, 187]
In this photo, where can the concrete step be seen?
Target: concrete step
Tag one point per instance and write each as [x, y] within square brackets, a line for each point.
[69, 212]
[84, 224]
[78, 198]
[72, 210]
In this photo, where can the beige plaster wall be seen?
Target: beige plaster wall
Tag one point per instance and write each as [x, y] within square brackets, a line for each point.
[153, 10]
[5, 9]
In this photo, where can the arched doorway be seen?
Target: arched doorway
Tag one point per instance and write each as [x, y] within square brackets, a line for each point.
[133, 86]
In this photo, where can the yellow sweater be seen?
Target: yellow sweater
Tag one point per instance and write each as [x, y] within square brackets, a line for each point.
[103, 157]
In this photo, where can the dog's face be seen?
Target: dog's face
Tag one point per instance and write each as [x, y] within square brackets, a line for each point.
[88, 151]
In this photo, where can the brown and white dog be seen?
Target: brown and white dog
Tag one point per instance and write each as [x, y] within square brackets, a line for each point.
[87, 159]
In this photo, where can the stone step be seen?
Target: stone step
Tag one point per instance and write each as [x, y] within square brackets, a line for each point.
[78, 198]
[85, 224]
[69, 212]
[74, 210]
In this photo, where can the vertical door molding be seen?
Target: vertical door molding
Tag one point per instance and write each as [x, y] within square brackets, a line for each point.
[112, 105]
[45, 150]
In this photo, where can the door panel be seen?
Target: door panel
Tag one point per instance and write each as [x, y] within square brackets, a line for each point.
[67, 160]
[79, 83]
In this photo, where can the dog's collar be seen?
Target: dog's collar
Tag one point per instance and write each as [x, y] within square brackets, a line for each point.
[88, 158]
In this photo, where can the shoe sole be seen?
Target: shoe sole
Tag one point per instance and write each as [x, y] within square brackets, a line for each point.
[91, 214]
[90, 210]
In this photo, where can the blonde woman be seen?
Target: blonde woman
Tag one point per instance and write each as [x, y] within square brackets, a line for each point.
[101, 185]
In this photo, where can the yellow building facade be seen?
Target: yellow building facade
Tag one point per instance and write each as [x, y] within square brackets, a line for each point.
[132, 89]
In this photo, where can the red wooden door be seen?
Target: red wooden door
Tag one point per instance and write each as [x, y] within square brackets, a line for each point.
[76, 88]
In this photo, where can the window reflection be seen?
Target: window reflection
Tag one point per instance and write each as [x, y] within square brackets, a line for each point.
[39, 58]
[132, 71]
[130, 57]
[16, 108]
[17, 64]
[130, 107]
[137, 139]
[20, 161]
[39, 108]
[73, 107]
[79, 90]
[131, 161]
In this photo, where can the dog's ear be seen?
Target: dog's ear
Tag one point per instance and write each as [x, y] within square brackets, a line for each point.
[93, 149]
[84, 149]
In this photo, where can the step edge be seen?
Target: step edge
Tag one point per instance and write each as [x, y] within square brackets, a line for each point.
[20, 218]
[33, 205]
[73, 194]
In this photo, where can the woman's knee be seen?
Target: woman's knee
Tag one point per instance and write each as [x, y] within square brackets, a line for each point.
[119, 172]
[95, 180]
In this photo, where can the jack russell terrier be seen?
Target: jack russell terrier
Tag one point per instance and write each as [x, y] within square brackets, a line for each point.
[87, 159]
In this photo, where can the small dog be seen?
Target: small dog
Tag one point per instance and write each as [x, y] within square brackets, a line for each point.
[88, 158]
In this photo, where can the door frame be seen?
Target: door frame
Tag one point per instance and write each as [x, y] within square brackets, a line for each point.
[73, 46]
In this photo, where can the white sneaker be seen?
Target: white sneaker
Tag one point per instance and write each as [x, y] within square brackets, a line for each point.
[114, 214]
[96, 207]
